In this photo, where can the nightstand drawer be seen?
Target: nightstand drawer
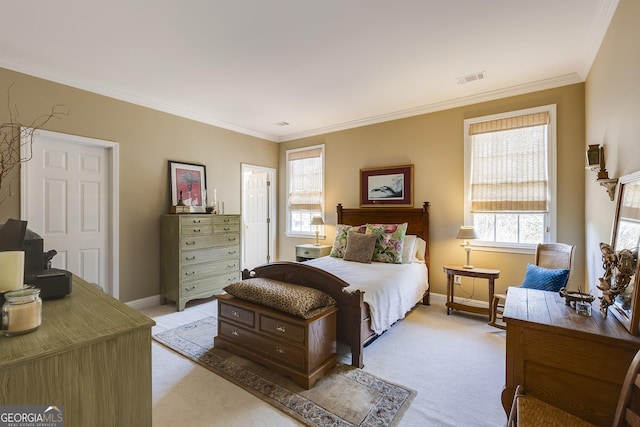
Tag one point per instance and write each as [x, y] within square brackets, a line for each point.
[312, 251]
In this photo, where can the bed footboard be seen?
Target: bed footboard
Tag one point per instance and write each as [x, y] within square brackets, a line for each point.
[351, 307]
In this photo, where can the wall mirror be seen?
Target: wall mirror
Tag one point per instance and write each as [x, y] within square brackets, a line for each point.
[626, 235]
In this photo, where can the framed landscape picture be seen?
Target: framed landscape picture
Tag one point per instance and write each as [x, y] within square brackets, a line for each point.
[189, 181]
[386, 186]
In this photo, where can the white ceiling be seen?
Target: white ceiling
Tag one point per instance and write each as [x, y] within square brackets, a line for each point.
[322, 65]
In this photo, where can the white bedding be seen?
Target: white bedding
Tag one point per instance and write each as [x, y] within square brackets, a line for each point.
[390, 290]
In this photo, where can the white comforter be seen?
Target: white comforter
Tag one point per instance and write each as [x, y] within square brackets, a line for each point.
[391, 290]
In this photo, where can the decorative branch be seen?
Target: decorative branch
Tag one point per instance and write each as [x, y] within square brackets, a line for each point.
[14, 135]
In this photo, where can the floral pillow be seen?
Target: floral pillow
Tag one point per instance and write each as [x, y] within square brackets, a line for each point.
[340, 242]
[390, 241]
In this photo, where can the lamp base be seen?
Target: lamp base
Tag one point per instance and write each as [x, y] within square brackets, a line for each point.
[467, 266]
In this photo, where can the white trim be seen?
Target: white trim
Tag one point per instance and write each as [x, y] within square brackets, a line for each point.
[114, 217]
[142, 303]
[552, 160]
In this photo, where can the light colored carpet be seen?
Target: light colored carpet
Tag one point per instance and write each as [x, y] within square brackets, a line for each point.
[345, 397]
[456, 363]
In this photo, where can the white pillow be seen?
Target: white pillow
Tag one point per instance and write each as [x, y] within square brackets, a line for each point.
[420, 250]
[408, 248]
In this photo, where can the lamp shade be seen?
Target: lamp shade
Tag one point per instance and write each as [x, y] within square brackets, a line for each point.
[467, 233]
[316, 220]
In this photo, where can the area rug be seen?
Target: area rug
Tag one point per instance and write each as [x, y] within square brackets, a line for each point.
[345, 397]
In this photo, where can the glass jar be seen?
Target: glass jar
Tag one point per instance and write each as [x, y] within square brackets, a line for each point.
[21, 312]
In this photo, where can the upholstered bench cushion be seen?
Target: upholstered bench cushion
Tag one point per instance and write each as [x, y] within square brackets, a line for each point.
[297, 300]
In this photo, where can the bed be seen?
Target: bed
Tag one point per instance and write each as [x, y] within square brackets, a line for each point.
[355, 327]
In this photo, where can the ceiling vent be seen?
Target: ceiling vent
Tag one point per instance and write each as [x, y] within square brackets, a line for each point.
[281, 124]
[472, 77]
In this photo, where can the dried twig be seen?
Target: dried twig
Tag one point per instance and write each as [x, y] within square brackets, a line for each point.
[16, 138]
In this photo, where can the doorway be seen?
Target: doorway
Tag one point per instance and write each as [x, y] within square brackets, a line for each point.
[258, 215]
[69, 196]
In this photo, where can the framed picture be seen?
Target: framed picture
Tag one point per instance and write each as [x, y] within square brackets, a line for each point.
[187, 181]
[386, 186]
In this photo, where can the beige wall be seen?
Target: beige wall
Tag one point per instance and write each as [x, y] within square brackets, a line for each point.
[612, 99]
[434, 144]
[147, 140]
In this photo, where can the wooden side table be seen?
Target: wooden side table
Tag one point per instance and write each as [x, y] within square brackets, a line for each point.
[483, 273]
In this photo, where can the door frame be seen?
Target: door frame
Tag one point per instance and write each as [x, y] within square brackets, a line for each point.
[113, 220]
[271, 209]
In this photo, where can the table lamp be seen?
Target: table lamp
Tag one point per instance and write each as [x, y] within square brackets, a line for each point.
[467, 233]
[317, 221]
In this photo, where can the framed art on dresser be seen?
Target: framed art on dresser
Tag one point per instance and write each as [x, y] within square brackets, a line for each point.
[391, 185]
[188, 182]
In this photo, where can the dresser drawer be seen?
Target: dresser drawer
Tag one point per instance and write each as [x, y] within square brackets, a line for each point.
[312, 251]
[196, 287]
[237, 314]
[226, 228]
[186, 220]
[282, 329]
[222, 220]
[226, 266]
[225, 239]
[196, 230]
[201, 271]
[197, 257]
[196, 242]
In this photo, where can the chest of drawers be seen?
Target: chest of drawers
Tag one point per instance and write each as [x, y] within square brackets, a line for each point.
[199, 255]
[303, 349]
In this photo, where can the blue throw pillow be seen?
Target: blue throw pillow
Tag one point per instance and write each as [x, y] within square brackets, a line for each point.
[545, 279]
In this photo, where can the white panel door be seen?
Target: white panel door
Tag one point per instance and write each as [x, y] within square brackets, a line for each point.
[68, 191]
[257, 205]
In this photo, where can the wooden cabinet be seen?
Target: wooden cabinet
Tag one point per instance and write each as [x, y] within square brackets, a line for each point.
[199, 255]
[91, 356]
[303, 349]
[311, 251]
[575, 363]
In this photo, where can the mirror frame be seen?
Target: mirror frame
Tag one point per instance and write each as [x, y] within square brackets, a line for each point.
[629, 322]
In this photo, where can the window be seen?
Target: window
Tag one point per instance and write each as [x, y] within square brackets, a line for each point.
[510, 164]
[305, 184]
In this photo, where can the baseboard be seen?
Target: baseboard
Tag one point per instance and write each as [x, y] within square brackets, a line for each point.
[143, 303]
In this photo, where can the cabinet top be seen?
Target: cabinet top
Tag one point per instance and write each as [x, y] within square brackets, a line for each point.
[84, 316]
[548, 310]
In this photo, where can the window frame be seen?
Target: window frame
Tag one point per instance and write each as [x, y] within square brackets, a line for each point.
[550, 218]
[312, 233]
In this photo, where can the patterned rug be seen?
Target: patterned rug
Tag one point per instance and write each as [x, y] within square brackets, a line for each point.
[345, 397]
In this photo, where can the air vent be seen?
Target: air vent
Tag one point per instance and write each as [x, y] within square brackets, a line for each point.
[281, 124]
[472, 77]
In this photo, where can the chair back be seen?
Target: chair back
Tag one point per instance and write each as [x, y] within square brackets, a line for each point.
[555, 255]
[628, 410]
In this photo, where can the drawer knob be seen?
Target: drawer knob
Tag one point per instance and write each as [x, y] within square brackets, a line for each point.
[190, 258]
[280, 329]
[280, 350]
[231, 252]
[227, 228]
[196, 230]
[231, 265]
[196, 221]
[235, 333]
[234, 313]
[306, 252]
[189, 273]
[193, 242]
[226, 220]
[187, 289]
[231, 239]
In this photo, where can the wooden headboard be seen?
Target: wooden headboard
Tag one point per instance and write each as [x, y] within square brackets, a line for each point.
[417, 219]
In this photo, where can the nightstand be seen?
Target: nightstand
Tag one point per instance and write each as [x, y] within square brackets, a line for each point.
[310, 251]
[483, 273]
